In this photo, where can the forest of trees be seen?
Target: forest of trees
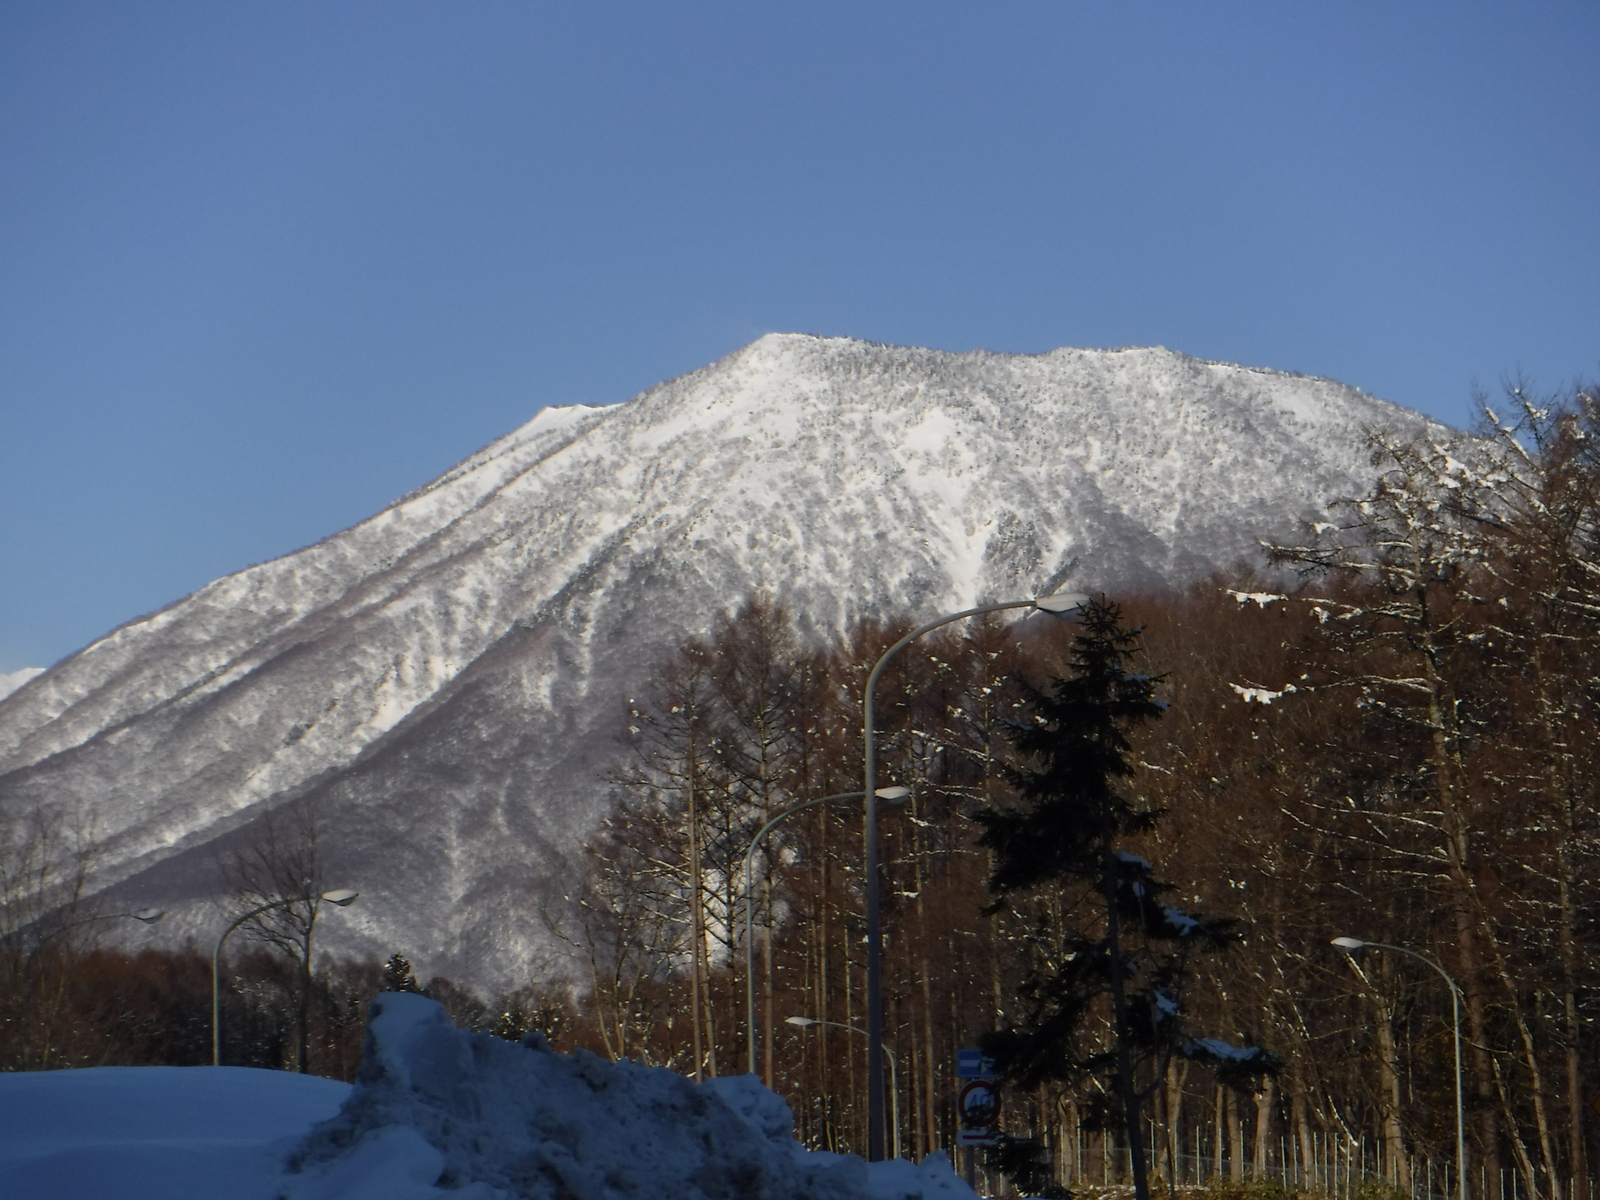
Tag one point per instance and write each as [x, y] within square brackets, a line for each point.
[1385, 730]
[1389, 733]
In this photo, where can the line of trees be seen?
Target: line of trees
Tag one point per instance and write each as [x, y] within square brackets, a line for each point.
[68, 1000]
[83, 1005]
[1389, 734]
[1399, 744]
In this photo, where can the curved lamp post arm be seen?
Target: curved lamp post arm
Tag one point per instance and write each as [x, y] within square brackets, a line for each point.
[1454, 987]
[216, 972]
[1349, 945]
[1455, 1022]
[145, 916]
[1063, 605]
[877, 670]
[894, 1069]
[893, 794]
[749, 911]
[340, 897]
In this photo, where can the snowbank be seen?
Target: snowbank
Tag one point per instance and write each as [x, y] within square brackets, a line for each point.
[438, 1112]
[155, 1133]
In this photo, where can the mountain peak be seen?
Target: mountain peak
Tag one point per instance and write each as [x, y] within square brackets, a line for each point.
[441, 681]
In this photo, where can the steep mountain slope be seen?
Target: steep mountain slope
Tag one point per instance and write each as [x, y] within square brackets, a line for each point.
[445, 678]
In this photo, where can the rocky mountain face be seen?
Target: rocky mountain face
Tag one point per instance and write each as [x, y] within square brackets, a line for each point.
[445, 680]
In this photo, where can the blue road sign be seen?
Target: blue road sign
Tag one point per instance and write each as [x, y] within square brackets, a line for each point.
[971, 1064]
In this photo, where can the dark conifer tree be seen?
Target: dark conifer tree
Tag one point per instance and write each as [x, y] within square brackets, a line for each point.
[397, 976]
[1106, 953]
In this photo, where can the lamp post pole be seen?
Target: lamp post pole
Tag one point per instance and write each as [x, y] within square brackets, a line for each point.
[1063, 604]
[1350, 945]
[888, 793]
[894, 1071]
[340, 897]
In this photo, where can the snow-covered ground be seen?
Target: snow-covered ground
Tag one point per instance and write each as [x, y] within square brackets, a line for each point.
[155, 1133]
[437, 1114]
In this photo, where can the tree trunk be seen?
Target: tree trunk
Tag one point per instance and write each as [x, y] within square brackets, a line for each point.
[857, 1111]
[697, 935]
[305, 1006]
[1266, 1102]
[1302, 1132]
[1219, 1123]
[1462, 908]
[1131, 1106]
[1235, 1135]
[930, 1098]
[1536, 1086]
[823, 944]
[1562, 787]
[1396, 1166]
[766, 969]
[1176, 1075]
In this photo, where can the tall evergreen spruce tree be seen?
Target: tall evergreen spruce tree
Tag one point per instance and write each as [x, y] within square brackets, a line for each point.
[1105, 991]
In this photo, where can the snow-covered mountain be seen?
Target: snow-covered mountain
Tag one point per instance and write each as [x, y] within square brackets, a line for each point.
[10, 681]
[445, 679]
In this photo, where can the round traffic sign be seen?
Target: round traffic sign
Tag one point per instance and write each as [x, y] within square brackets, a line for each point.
[979, 1104]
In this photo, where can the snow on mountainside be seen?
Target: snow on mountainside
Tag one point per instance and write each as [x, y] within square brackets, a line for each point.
[11, 681]
[444, 679]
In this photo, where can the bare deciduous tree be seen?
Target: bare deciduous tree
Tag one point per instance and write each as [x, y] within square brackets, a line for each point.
[45, 861]
[276, 881]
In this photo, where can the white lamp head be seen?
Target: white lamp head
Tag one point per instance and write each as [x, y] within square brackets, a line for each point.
[1348, 944]
[803, 1022]
[1066, 605]
[894, 795]
[340, 896]
[148, 915]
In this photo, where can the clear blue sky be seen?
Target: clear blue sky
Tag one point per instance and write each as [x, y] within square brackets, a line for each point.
[264, 267]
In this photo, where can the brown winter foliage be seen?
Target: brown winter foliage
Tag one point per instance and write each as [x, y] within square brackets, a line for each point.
[1389, 734]
[1394, 739]
[84, 1007]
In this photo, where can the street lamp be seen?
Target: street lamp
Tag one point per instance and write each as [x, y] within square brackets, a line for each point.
[1064, 604]
[892, 794]
[894, 1072]
[342, 897]
[148, 916]
[1350, 945]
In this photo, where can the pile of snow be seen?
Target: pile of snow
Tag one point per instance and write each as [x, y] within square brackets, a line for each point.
[155, 1133]
[439, 1112]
